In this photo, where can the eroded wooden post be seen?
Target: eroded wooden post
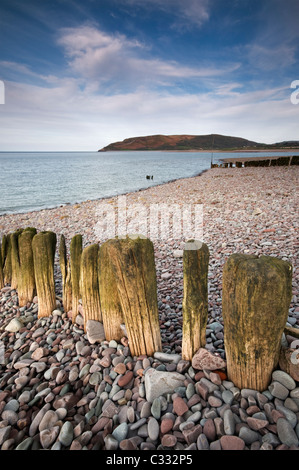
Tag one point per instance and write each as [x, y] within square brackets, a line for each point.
[195, 300]
[89, 284]
[133, 264]
[75, 258]
[65, 269]
[26, 277]
[7, 270]
[43, 248]
[15, 262]
[110, 304]
[255, 302]
[3, 249]
[1, 270]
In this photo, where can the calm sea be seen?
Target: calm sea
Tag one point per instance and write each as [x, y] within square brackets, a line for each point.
[38, 180]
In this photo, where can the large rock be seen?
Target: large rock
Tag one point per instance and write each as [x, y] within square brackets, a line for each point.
[158, 383]
[14, 325]
[95, 331]
[204, 359]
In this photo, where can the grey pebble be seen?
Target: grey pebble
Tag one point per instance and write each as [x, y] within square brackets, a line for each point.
[120, 432]
[202, 442]
[153, 429]
[138, 424]
[12, 405]
[110, 442]
[229, 422]
[66, 434]
[278, 390]
[286, 433]
[285, 379]
[248, 435]
[156, 408]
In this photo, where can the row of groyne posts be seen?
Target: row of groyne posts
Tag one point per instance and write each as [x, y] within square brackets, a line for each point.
[116, 283]
[254, 162]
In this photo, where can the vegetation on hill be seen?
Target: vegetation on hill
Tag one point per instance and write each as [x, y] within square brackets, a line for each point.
[193, 142]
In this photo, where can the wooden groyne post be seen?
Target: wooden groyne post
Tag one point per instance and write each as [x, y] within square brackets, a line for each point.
[1, 269]
[89, 285]
[6, 258]
[65, 268]
[195, 301]
[26, 273]
[43, 248]
[255, 302]
[133, 266]
[111, 308]
[75, 258]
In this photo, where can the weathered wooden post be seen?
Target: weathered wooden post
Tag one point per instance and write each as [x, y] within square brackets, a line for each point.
[1, 270]
[3, 249]
[133, 263]
[75, 258]
[26, 277]
[255, 302]
[7, 270]
[43, 247]
[89, 284]
[65, 269]
[110, 304]
[195, 301]
[15, 262]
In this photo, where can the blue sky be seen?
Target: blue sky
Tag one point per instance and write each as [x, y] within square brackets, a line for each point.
[80, 75]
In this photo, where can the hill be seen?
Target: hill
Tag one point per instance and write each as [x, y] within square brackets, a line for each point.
[192, 142]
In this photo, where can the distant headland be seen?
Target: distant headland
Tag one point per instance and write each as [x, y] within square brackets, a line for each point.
[195, 143]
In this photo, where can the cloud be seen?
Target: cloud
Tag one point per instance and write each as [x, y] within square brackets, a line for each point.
[268, 58]
[275, 45]
[67, 117]
[186, 14]
[121, 63]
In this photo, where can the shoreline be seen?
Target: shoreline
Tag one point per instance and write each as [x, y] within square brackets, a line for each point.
[62, 204]
[101, 198]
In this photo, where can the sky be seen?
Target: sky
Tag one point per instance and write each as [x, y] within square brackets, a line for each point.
[78, 75]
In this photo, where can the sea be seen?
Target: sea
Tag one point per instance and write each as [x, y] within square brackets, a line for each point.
[31, 181]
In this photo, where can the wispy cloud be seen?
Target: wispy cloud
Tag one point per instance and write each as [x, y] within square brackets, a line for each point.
[67, 117]
[276, 42]
[185, 14]
[268, 58]
[122, 63]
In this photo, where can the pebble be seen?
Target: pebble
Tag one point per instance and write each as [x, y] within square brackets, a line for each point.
[232, 443]
[66, 434]
[179, 406]
[286, 433]
[48, 436]
[4, 433]
[278, 390]
[120, 432]
[169, 440]
[283, 378]
[153, 429]
[229, 423]
[248, 435]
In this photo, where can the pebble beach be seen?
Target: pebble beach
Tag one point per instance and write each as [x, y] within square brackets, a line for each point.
[62, 390]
